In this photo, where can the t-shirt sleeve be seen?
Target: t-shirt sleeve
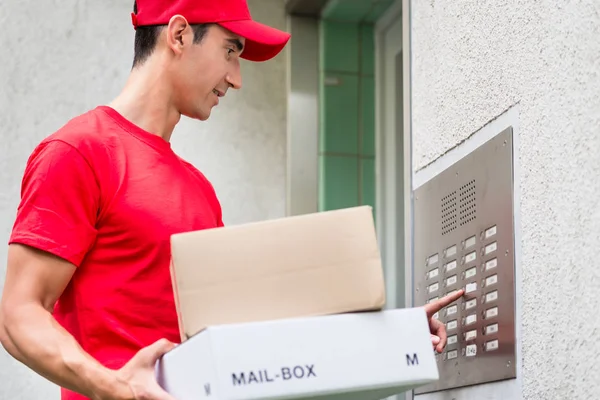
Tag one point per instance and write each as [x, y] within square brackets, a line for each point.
[59, 202]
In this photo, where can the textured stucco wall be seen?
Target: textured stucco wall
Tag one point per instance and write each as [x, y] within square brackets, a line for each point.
[61, 58]
[473, 60]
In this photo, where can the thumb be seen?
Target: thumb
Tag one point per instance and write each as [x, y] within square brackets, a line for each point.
[150, 354]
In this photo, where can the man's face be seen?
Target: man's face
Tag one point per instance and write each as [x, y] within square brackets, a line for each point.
[202, 73]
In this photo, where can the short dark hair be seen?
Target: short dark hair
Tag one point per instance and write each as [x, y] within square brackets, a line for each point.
[147, 36]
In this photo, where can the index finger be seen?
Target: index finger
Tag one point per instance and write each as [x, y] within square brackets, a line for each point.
[437, 305]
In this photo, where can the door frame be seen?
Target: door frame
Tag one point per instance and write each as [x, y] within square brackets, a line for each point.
[392, 223]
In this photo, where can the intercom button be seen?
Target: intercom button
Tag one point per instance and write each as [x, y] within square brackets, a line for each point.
[471, 272]
[470, 257]
[471, 304]
[451, 310]
[471, 350]
[490, 329]
[432, 259]
[433, 273]
[433, 287]
[471, 335]
[491, 345]
[491, 312]
[471, 319]
[491, 280]
[491, 296]
[471, 287]
[491, 231]
[491, 264]
[490, 248]
[451, 280]
[470, 242]
[450, 251]
[451, 266]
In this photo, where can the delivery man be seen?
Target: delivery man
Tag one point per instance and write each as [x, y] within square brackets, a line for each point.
[87, 300]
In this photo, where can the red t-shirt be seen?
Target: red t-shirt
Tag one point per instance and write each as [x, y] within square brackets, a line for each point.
[106, 196]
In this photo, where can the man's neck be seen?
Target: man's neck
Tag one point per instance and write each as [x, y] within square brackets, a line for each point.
[146, 100]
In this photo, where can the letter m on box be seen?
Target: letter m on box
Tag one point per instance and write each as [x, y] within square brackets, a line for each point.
[412, 360]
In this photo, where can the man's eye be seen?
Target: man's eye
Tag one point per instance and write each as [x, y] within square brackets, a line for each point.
[229, 51]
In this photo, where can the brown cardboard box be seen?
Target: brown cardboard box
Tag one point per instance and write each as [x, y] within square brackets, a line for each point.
[310, 265]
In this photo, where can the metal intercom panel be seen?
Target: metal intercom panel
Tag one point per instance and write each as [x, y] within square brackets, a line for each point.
[464, 238]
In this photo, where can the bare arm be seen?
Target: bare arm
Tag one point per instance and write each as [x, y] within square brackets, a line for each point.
[29, 332]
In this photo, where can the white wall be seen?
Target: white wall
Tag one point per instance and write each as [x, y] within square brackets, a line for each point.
[474, 60]
[60, 59]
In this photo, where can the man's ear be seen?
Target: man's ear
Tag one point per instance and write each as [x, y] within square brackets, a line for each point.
[179, 34]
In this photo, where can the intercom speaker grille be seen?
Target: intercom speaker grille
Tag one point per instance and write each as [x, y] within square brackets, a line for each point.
[468, 209]
[449, 213]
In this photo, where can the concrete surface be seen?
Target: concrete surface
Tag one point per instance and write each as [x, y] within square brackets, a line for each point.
[474, 60]
[60, 59]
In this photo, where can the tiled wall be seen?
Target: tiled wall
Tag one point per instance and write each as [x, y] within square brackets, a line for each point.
[347, 115]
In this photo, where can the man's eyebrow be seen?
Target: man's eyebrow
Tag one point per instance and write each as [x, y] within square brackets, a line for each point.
[238, 44]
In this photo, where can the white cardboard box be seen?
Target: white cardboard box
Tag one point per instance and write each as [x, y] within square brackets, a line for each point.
[357, 356]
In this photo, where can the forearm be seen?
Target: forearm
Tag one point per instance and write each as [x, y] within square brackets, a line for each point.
[32, 336]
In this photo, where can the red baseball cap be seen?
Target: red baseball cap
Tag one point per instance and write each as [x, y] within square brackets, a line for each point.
[262, 42]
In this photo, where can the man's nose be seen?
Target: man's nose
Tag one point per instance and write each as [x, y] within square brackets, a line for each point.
[234, 78]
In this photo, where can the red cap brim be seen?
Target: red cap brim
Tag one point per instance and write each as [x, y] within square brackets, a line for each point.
[262, 42]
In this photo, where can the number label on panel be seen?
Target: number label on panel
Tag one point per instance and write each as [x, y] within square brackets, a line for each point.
[490, 248]
[432, 259]
[451, 251]
[451, 324]
[491, 296]
[471, 319]
[491, 280]
[471, 304]
[471, 350]
[491, 313]
[452, 354]
[491, 264]
[470, 257]
[451, 281]
[470, 242]
[434, 287]
[471, 272]
[490, 232]
[452, 310]
[471, 335]
[471, 287]
[433, 273]
[452, 339]
[491, 329]
[491, 345]
[450, 266]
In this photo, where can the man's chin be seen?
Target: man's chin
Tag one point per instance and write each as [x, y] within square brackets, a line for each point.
[203, 117]
[200, 115]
